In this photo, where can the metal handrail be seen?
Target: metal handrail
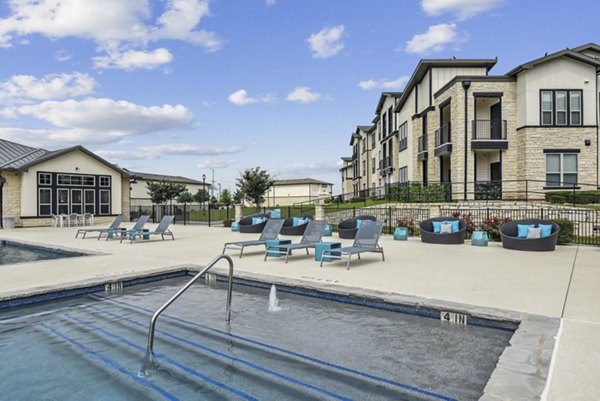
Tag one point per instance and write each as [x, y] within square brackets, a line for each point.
[149, 350]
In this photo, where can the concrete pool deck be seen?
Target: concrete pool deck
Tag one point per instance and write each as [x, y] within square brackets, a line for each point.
[563, 284]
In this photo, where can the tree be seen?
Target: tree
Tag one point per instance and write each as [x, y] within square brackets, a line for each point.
[253, 184]
[213, 200]
[201, 196]
[226, 199]
[185, 197]
[238, 197]
[164, 191]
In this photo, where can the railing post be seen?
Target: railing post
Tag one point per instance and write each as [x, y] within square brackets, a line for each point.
[209, 214]
[526, 191]
[390, 228]
[185, 214]
[353, 211]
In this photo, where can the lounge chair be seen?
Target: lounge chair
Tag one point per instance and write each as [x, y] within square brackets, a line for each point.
[290, 229]
[510, 238]
[246, 226]
[113, 226]
[270, 232]
[366, 240]
[429, 235]
[138, 227]
[162, 229]
[347, 228]
[312, 235]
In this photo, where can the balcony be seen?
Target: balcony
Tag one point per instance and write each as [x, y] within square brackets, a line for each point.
[386, 165]
[489, 135]
[422, 148]
[443, 140]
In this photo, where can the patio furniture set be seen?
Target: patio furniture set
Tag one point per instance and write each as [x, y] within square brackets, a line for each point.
[115, 231]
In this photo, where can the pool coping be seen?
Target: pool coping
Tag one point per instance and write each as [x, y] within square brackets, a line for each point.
[521, 371]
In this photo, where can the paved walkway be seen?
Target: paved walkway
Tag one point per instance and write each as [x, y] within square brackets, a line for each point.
[564, 283]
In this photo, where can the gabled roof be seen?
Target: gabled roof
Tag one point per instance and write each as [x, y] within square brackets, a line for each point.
[355, 135]
[346, 158]
[300, 181]
[588, 47]
[385, 95]
[574, 55]
[365, 128]
[17, 157]
[426, 64]
[163, 177]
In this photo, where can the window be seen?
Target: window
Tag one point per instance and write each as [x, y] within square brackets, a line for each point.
[76, 201]
[364, 169]
[373, 165]
[390, 120]
[62, 196]
[372, 141]
[384, 125]
[104, 181]
[561, 107]
[89, 199]
[403, 174]
[76, 180]
[44, 179]
[403, 136]
[575, 104]
[44, 201]
[561, 169]
[104, 201]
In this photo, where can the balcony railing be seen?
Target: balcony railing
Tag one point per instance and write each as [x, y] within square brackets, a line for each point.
[422, 143]
[442, 135]
[385, 163]
[403, 144]
[489, 130]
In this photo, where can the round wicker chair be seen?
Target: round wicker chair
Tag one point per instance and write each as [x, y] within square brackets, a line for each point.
[246, 226]
[289, 228]
[428, 236]
[347, 228]
[510, 239]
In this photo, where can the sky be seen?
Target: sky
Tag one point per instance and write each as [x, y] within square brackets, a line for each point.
[193, 87]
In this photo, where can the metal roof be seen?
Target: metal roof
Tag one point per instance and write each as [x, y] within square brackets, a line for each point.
[163, 177]
[300, 181]
[563, 53]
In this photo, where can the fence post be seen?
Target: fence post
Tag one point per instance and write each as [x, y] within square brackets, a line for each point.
[573, 199]
[541, 213]
[227, 211]
[209, 214]
[353, 211]
[408, 190]
[184, 214]
[526, 191]
[389, 219]
[487, 213]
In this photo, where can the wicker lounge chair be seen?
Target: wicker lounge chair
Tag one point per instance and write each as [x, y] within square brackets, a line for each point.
[138, 227]
[113, 226]
[246, 226]
[162, 230]
[312, 235]
[367, 240]
[428, 236]
[510, 239]
[347, 228]
[289, 228]
[271, 232]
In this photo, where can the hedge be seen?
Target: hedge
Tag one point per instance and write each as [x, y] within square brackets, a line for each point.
[579, 197]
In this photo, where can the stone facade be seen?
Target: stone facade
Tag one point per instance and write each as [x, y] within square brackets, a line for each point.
[11, 196]
[125, 199]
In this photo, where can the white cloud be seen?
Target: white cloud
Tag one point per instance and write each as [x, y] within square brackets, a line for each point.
[96, 120]
[216, 163]
[114, 25]
[327, 42]
[435, 39]
[463, 9]
[26, 88]
[134, 59]
[384, 83]
[271, 2]
[303, 94]
[241, 98]
[300, 169]
[154, 152]
[63, 55]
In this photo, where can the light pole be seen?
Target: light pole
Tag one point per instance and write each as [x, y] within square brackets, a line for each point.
[219, 191]
[212, 183]
[203, 188]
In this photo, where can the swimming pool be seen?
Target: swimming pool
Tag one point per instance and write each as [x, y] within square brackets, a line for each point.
[15, 252]
[92, 348]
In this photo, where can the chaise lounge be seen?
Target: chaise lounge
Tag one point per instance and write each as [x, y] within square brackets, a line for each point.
[162, 230]
[248, 226]
[509, 233]
[347, 229]
[312, 236]
[431, 235]
[271, 232]
[113, 226]
[367, 240]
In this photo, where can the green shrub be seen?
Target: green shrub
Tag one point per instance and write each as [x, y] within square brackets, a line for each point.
[417, 193]
[227, 222]
[579, 197]
[565, 234]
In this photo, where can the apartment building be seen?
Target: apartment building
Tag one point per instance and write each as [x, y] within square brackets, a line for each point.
[530, 130]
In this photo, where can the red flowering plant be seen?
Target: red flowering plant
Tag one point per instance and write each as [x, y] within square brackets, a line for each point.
[492, 227]
[471, 226]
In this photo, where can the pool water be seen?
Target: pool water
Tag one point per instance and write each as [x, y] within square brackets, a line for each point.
[14, 252]
[312, 349]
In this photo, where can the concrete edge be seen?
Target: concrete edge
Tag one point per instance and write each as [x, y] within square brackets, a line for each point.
[84, 252]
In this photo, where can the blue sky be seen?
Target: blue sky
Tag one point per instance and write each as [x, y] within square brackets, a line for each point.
[182, 86]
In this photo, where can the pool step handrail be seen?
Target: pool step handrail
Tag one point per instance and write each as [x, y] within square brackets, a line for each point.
[184, 289]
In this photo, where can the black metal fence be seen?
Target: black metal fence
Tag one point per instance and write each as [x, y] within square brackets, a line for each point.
[185, 214]
[586, 222]
[497, 190]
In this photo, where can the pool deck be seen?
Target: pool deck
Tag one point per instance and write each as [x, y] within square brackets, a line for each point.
[563, 284]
